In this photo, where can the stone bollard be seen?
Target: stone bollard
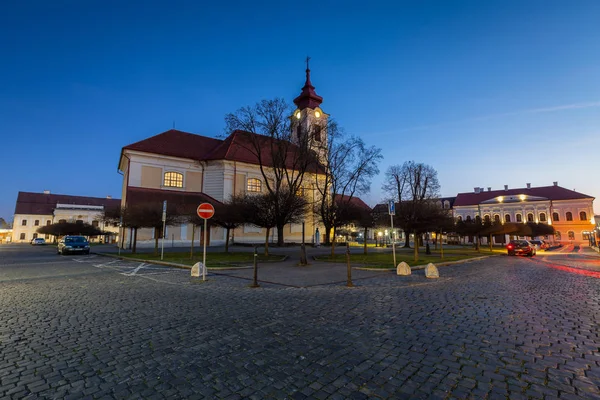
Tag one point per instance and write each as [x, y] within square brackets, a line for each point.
[403, 269]
[431, 271]
[197, 270]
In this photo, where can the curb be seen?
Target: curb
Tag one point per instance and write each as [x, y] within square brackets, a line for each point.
[420, 267]
[175, 265]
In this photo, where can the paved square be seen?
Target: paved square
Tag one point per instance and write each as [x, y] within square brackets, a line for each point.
[96, 327]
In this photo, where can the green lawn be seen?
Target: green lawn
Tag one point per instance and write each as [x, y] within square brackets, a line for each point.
[385, 260]
[213, 260]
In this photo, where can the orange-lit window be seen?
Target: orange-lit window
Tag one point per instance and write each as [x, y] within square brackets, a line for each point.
[569, 216]
[173, 179]
[530, 217]
[582, 216]
[571, 235]
[254, 185]
[555, 217]
[557, 235]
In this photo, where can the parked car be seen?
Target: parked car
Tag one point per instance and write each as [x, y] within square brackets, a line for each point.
[520, 247]
[539, 244]
[73, 244]
[38, 241]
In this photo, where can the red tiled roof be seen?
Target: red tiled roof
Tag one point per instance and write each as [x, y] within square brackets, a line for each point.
[355, 201]
[44, 204]
[549, 192]
[177, 144]
[136, 195]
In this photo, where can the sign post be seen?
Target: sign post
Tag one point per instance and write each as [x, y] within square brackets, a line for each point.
[392, 211]
[121, 234]
[205, 211]
[164, 220]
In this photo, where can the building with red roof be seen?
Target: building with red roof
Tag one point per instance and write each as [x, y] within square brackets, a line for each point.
[569, 212]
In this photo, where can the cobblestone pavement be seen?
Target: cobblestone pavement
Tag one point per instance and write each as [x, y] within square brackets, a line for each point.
[95, 327]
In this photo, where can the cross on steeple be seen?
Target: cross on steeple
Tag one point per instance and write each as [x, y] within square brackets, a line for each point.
[307, 60]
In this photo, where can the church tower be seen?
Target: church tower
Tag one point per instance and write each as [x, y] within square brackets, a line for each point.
[309, 122]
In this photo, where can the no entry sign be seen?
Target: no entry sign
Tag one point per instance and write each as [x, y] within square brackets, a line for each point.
[205, 210]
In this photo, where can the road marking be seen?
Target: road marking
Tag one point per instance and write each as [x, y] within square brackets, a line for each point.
[135, 271]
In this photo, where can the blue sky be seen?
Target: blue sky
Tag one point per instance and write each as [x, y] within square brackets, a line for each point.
[487, 92]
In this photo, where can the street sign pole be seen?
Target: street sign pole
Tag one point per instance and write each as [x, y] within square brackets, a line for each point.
[120, 243]
[204, 253]
[164, 219]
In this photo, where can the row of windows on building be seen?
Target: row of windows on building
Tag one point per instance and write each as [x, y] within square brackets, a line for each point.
[175, 179]
[531, 218]
[95, 224]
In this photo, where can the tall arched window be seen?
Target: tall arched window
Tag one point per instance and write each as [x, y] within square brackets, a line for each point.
[496, 218]
[571, 235]
[530, 217]
[486, 218]
[555, 217]
[557, 235]
[254, 185]
[542, 217]
[519, 218]
[507, 218]
[582, 216]
[468, 218]
[569, 216]
[173, 179]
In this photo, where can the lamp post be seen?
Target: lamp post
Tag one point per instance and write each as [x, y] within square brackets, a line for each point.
[379, 235]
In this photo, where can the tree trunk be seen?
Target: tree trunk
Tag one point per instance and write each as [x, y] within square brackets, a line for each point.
[332, 242]
[227, 241]
[267, 242]
[134, 248]
[407, 240]
[192, 246]
[327, 236]
[365, 241]
[156, 240]
[280, 235]
[416, 246]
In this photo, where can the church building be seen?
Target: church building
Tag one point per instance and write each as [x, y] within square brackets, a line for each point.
[188, 169]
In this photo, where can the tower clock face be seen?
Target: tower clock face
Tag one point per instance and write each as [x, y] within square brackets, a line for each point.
[317, 114]
[297, 114]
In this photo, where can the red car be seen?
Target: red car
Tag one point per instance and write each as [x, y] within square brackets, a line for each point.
[520, 247]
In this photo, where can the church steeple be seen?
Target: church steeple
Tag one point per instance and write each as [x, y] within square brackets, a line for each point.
[308, 97]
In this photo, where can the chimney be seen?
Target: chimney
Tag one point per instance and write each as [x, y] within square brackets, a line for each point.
[505, 187]
[529, 186]
[489, 189]
[555, 183]
[46, 192]
[109, 197]
[477, 190]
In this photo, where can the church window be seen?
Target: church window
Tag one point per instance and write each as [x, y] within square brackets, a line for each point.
[507, 218]
[582, 216]
[555, 217]
[486, 218]
[254, 185]
[317, 133]
[530, 217]
[173, 179]
[569, 216]
[519, 218]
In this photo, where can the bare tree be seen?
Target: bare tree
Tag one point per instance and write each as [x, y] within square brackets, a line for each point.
[349, 166]
[264, 131]
[410, 186]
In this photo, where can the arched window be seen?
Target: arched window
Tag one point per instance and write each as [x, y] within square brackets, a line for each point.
[582, 216]
[542, 217]
[569, 216]
[36, 222]
[571, 235]
[519, 218]
[585, 235]
[62, 221]
[530, 217]
[496, 218]
[254, 185]
[557, 235]
[22, 236]
[486, 218]
[507, 218]
[173, 179]
[555, 217]
[459, 219]
[317, 133]
[468, 218]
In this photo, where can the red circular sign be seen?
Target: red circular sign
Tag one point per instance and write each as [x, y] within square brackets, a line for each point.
[205, 210]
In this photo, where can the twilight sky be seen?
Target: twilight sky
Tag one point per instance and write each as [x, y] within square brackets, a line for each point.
[487, 92]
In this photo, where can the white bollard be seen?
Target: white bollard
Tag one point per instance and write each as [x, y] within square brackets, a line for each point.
[197, 270]
[431, 271]
[403, 269]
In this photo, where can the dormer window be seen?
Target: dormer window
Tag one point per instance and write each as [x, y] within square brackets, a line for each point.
[173, 179]
[254, 185]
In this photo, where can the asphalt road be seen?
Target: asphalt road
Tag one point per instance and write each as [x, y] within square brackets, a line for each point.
[98, 327]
